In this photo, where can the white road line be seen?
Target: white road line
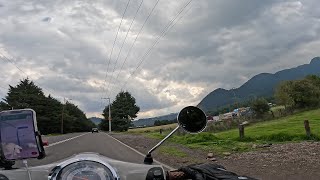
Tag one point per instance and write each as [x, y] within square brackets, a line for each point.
[160, 163]
[59, 142]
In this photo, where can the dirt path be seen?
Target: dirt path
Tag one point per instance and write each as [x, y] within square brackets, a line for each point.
[281, 161]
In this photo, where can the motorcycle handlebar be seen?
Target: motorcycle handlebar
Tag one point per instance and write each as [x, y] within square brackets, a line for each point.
[176, 175]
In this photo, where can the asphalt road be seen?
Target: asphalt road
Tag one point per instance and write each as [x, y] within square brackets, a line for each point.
[54, 139]
[62, 147]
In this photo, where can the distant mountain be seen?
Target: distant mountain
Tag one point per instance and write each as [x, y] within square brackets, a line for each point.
[96, 120]
[150, 121]
[260, 85]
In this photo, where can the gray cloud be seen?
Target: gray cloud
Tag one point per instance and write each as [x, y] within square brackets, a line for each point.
[65, 47]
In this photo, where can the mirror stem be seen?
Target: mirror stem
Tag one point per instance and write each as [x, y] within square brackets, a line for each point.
[164, 139]
[148, 159]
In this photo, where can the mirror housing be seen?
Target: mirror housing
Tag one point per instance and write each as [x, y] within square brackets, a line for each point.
[19, 135]
[191, 119]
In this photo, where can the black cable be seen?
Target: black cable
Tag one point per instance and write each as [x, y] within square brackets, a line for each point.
[12, 62]
[129, 52]
[125, 40]
[170, 25]
[115, 39]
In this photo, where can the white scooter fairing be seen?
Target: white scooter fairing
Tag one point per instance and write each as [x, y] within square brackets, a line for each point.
[112, 169]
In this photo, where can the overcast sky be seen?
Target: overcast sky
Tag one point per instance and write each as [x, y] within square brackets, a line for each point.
[65, 47]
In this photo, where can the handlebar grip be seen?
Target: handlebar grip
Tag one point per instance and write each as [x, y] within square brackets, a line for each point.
[176, 175]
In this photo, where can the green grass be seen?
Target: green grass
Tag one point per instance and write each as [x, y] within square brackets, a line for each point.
[211, 143]
[172, 151]
[287, 129]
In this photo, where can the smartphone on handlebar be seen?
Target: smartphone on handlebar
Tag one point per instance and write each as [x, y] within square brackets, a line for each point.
[19, 135]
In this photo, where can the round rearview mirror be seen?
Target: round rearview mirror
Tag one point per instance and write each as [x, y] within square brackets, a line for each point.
[192, 119]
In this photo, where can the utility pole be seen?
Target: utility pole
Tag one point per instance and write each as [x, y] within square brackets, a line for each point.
[109, 114]
[63, 108]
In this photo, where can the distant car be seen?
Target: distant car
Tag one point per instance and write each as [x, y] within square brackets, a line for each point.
[95, 130]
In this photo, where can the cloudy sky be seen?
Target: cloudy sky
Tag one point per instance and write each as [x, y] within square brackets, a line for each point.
[66, 47]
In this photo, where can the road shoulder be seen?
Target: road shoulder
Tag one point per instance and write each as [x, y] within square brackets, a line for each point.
[279, 161]
[113, 136]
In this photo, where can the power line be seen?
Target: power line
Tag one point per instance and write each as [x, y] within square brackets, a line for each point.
[12, 62]
[125, 40]
[185, 12]
[166, 29]
[115, 39]
[144, 23]
[170, 25]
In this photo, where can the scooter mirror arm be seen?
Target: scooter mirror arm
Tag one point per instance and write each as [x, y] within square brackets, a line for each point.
[148, 159]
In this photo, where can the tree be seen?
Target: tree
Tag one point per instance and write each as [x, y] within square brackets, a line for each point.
[78, 119]
[123, 110]
[305, 94]
[283, 94]
[302, 93]
[49, 116]
[260, 107]
[27, 95]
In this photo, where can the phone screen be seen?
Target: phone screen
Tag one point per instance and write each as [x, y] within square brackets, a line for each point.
[18, 139]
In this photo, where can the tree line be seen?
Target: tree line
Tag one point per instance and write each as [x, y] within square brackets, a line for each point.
[293, 95]
[299, 94]
[164, 122]
[49, 110]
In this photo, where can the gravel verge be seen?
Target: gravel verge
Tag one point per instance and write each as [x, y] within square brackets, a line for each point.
[280, 161]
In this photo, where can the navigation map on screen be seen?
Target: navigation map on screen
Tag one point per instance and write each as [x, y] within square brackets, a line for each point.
[17, 135]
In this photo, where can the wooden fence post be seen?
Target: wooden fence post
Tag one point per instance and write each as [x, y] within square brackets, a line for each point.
[241, 131]
[307, 128]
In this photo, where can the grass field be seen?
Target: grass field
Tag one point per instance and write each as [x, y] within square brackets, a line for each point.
[281, 130]
[289, 128]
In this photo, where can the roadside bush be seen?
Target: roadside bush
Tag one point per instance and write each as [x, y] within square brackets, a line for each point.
[260, 107]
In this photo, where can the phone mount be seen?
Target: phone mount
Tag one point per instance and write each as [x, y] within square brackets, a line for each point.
[19, 135]
[191, 119]
[42, 152]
